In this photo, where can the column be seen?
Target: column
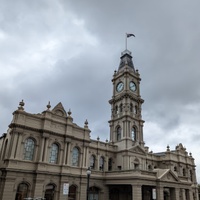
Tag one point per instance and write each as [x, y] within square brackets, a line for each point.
[86, 157]
[42, 150]
[174, 192]
[45, 150]
[190, 194]
[159, 193]
[183, 194]
[2, 147]
[19, 146]
[106, 166]
[13, 144]
[68, 154]
[65, 153]
[61, 157]
[137, 192]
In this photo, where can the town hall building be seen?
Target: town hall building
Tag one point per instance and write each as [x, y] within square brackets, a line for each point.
[43, 154]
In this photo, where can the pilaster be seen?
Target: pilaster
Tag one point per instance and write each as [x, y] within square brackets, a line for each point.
[137, 192]
[160, 193]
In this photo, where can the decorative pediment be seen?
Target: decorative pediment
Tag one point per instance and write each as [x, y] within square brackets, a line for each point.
[59, 110]
[166, 175]
[137, 149]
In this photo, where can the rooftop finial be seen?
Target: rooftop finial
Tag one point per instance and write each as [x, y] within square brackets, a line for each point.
[86, 124]
[69, 112]
[21, 104]
[48, 105]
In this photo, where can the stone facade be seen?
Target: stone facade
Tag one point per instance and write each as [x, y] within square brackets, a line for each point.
[42, 152]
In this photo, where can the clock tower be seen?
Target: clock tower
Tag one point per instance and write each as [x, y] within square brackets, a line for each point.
[126, 124]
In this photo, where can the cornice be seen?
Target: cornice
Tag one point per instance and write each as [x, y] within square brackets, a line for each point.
[14, 125]
[126, 95]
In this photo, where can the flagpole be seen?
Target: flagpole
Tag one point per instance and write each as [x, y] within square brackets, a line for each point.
[125, 41]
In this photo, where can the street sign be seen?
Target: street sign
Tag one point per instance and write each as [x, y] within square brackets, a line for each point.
[65, 188]
[153, 193]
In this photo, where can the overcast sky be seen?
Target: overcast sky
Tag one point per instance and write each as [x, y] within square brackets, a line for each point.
[66, 51]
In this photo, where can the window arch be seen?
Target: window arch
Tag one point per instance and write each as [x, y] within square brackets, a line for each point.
[101, 163]
[72, 192]
[29, 147]
[110, 164]
[75, 156]
[119, 133]
[53, 158]
[92, 161]
[49, 192]
[22, 191]
[133, 133]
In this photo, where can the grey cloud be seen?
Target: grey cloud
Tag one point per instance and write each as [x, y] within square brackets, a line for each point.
[68, 50]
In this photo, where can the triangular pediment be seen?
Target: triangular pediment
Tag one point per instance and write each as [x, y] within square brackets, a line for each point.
[166, 175]
[59, 110]
[137, 149]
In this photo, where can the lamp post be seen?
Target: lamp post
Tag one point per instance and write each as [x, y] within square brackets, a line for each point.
[88, 181]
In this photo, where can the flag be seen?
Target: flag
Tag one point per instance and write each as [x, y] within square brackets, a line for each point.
[130, 34]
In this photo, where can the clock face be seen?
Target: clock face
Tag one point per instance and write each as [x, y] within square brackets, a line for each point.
[120, 87]
[132, 86]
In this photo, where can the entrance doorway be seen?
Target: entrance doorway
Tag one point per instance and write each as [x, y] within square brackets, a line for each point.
[120, 192]
[147, 192]
[94, 193]
[49, 192]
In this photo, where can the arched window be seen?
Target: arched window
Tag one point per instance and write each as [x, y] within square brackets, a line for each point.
[136, 163]
[119, 130]
[92, 162]
[133, 133]
[75, 156]
[94, 193]
[149, 167]
[131, 107]
[101, 163]
[116, 109]
[49, 192]
[136, 110]
[72, 192]
[53, 158]
[22, 191]
[191, 175]
[184, 174]
[121, 107]
[110, 164]
[175, 168]
[29, 147]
